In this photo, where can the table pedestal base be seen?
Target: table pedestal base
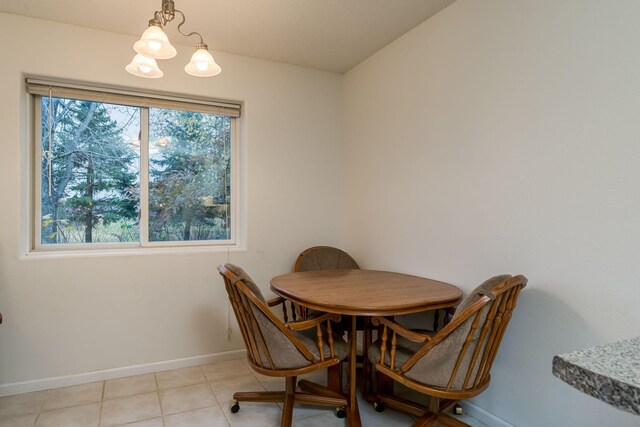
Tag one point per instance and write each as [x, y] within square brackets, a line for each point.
[353, 414]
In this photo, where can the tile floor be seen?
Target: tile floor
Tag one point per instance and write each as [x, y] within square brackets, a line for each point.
[193, 397]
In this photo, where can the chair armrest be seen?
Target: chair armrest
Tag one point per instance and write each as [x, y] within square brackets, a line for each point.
[400, 330]
[275, 301]
[310, 323]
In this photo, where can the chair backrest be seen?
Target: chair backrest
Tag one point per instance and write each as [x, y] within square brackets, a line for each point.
[324, 258]
[270, 345]
[460, 356]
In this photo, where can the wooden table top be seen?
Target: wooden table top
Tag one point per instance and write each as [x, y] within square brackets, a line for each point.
[365, 292]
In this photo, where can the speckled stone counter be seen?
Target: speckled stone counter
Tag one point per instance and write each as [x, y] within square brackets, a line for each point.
[609, 372]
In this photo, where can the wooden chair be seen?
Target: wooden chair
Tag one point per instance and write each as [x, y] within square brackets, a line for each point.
[453, 364]
[322, 258]
[285, 350]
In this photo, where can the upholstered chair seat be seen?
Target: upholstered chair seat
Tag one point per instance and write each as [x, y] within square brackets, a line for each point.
[310, 341]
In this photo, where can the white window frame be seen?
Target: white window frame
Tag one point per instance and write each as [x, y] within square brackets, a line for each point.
[36, 197]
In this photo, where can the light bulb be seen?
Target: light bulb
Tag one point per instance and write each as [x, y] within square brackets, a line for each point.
[202, 63]
[155, 45]
[143, 66]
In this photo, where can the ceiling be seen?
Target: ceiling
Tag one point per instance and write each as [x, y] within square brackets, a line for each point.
[332, 35]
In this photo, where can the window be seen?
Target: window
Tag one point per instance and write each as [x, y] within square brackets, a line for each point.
[116, 169]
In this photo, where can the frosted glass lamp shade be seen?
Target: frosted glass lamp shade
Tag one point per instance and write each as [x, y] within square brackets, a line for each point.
[155, 44]
[143, 66]
[202, 64]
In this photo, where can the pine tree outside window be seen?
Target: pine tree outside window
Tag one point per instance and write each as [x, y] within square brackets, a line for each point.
[111, 175]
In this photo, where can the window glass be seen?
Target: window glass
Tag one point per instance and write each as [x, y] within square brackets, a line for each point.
[89, 172]
[189, 168]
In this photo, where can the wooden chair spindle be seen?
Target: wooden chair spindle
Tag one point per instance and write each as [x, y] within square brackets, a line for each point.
[392, 363]
[320, 342]
[383, 345]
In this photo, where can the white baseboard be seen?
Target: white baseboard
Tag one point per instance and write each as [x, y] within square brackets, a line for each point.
[484, 416]
[108, 374]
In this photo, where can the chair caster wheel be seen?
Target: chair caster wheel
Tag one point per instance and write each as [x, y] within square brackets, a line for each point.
[378, 406]
[457, 409]
[340, 412]
[235, 407]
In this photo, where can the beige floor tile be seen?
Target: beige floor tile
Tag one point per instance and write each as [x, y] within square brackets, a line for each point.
[324, 420]
[130, 409]
[155, 422]
[21, 404]
[470, 420]
[73, 395]
[272, 383]
[224, 389]
[319, 376]
[254, 414]
[75, 416]
[186, 398]
[371, 418]
[129, 386]
[207, 417]
[226, 369]
[304, 411]
[299, 411]
[19, 421]
[261, 377]
[180, 377]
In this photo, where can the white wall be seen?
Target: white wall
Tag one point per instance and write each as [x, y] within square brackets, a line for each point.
[503, 136]
[78, 314]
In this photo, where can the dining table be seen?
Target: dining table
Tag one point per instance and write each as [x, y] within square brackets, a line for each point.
[363, 293]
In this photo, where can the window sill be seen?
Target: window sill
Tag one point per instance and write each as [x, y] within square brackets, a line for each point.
[171, 250]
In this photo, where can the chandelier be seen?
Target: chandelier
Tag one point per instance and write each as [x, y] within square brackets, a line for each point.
[154, 44]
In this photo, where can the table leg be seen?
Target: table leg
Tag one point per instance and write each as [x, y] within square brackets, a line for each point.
[365, 383]
[353, 414]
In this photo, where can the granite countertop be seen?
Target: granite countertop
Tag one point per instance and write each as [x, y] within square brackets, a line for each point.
[609, 372]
